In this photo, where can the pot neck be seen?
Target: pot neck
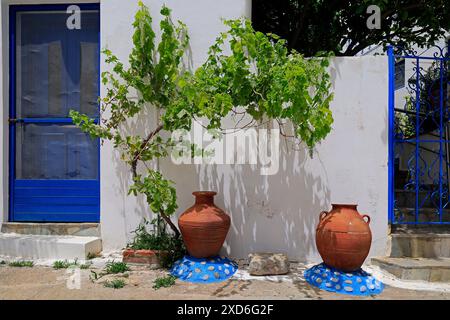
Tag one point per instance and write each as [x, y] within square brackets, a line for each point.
[204, 197]
[346, 206]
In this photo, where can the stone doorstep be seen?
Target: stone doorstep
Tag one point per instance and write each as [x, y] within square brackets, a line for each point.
[148, 257]
[432, 270]
[57, 229]
[420, 245]
[42, 247]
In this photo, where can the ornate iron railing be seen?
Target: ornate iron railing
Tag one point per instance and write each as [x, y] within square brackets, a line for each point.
[419, 138]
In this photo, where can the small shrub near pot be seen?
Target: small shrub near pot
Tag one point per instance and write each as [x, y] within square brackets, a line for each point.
[158, 243]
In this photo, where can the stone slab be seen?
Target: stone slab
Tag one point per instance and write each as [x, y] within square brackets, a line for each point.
[48, 247]
[263, 264]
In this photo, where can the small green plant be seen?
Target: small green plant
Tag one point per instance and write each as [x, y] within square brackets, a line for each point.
[115, 284]
[59, 264]
[93, 276]
[21, 264]
[158, 239]
[164, 282]
[2, 262]
[111, 268]
[116, 267]
[85, 266]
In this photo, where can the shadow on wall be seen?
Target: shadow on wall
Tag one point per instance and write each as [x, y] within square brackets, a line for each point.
[275, 212]
[279, 212]
[135, 208]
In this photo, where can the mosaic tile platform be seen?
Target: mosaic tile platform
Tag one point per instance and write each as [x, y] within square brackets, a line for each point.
[204, 270]
[358, 283]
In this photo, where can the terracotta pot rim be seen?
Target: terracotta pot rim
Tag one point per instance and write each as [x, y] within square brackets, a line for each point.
[204, 193]
[345, 205]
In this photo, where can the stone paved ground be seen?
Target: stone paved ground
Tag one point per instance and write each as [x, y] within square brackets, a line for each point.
[46, 283]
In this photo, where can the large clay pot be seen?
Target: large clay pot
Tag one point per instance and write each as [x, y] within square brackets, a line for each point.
[343, 237]
[204, 226]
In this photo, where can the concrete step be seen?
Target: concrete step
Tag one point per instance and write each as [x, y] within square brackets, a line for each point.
[35, 247]
[420, 245]
[431, 270]
[57, 229]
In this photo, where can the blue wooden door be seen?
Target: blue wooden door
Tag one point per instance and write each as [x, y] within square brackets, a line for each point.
[54, 174]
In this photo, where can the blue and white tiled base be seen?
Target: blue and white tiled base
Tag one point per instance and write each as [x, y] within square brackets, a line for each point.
[204, 270]
[358, 283]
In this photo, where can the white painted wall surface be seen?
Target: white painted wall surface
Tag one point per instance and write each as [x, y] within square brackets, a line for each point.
[269, 213]
[120, 213]
[280, 212]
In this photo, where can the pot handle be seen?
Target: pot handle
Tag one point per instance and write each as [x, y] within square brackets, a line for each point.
[366, 216]
[323, 214]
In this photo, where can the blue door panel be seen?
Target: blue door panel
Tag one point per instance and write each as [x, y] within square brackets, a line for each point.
[57, 201]
[75, 208]
[54, 167]
[58, 184]
[29, 189]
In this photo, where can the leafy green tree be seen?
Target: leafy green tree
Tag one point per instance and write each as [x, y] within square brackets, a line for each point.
[259, 76]
[312, 26]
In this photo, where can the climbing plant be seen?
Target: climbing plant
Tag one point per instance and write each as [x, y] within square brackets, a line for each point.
[244, 69]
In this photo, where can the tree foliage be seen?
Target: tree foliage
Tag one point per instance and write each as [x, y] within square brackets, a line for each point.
[244, 68]
[311, 26]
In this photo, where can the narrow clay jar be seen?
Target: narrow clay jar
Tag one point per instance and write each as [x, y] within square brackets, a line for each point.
[343, 237]
[204, 226]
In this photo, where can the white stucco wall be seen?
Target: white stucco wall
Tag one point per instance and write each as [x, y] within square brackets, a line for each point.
[269, 213]
[120, 213]
[279, 212]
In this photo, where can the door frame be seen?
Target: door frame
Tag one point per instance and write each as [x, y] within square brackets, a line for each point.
[13, 9]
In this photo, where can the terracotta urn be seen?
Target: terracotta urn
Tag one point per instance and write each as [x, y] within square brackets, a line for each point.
[204, 226]
[343, 237]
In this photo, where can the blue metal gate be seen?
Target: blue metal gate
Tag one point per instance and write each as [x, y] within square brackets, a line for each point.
[419, 137]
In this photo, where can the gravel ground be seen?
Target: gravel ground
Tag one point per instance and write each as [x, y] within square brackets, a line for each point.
[43, 282]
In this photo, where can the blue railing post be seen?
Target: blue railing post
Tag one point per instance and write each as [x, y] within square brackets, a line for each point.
[441, 137]
[391, 104]
[417, 154]
[420, 117]
[448, 47]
